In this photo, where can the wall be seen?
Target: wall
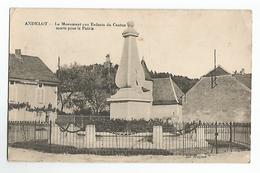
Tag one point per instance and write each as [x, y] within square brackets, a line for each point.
[21, 92]
[228, 101]
[167, 111]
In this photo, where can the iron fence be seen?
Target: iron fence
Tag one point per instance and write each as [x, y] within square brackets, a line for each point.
[99, 136]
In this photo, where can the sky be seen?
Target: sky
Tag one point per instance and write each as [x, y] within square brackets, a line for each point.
[181, 42]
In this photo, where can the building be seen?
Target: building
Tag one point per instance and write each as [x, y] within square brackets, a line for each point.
[139, 96]
[32, 89]
[219, 96]
[166, 96]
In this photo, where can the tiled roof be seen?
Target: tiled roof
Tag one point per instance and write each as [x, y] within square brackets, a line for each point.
[146, 71]
[219, 71]
[30, 68]
[244, 79]
[164, 91]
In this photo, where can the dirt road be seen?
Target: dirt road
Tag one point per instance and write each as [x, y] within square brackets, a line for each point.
[16, 154]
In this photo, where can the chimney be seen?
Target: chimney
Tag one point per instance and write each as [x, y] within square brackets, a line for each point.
[18, 53]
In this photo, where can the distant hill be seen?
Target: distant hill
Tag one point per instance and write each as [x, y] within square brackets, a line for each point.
[183, 82]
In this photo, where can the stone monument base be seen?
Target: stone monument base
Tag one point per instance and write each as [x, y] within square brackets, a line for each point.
[130, 103]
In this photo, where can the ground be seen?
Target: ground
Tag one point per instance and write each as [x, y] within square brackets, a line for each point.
[16, 154]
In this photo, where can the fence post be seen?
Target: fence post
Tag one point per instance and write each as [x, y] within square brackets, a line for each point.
[201, 133]
[50, 132]
[230, 136]
[34, 130]
[158, 137]
[216, 136]
[183, 135]
[234, 132]
[90, 136]
[8, 134]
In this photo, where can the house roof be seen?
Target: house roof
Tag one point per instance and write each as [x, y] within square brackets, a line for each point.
[219, 71]
[146, 71]
[244, 79]
[30, 68]
[166, 91]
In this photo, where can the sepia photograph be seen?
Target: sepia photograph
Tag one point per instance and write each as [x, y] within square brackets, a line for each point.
[129, 85]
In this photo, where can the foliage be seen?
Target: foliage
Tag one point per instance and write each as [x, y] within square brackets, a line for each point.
[69, 78]
[241, 72]
[138, 126]
[183, 82]
[97, 85]
[86, 87]
[45, 109]
[18, 106]
[104, 124]
[29, 108]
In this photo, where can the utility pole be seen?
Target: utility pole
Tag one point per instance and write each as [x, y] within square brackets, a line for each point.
[215, 67]
[58, 71]
[213, 74]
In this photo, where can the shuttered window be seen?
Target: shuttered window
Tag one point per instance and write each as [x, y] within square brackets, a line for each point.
[12, 91]
[40, 93]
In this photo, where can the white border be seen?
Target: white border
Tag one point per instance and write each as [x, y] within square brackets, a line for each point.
[140, 4]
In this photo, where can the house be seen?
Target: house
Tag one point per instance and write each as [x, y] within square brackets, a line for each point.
[166, 97]
[219, 96]
[32, 89]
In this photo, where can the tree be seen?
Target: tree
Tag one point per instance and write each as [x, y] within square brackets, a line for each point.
[69, 84]
[98, 84]
[183, 82]
[87, 87]
[242, 71]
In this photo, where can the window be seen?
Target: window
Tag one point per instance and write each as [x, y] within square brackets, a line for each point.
[40, 93]
[12, 91]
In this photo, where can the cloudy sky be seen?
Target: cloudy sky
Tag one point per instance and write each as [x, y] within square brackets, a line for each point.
[177, 41]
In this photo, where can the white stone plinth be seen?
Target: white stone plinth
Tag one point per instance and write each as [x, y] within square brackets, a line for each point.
[130, 103]
[130, 110]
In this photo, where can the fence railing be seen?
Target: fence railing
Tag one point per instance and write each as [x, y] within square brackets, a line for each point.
[79, 119]
[127, 137]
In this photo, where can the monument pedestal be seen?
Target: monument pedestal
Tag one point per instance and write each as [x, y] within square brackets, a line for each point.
[130, 103]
